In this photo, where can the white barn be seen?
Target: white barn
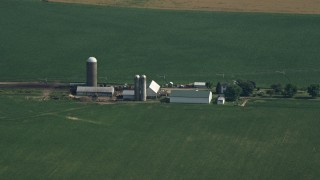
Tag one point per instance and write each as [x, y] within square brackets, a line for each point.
[153, 89]
[92, 91]
[190, 96]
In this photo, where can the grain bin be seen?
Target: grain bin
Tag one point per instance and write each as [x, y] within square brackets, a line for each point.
[92, 72]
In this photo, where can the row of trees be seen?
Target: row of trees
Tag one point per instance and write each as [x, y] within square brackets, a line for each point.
[246, 88]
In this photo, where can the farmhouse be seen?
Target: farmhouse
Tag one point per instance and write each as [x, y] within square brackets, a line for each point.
[190, 96]
[153, 89]
[95, 91]
[128, 94]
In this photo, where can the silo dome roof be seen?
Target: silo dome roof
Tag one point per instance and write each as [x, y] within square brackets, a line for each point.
[92, 59]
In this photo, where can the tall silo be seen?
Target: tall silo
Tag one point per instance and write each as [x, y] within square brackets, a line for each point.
[143, 88]
[137, 87]
[92, 72]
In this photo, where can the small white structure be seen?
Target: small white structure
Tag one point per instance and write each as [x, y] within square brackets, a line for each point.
[153, 89]
[199, 85]
[95, 91]
[128, 95]
[190, 96]
[221, 100]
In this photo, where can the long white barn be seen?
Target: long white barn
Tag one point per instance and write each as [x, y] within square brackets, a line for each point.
[190, 96]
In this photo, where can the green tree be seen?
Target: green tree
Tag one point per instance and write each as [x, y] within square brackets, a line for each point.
[290, 90]
[277, 88]
[246, 86]
[313, 90]
[232, 93]
[218, 88]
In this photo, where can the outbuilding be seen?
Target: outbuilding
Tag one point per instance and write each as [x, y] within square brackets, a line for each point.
[190, 96]
[153, 90]
[199, 85]
[221, 100]
[95, 91]
[128, 95]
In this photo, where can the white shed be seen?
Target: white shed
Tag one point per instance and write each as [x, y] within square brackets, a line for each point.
[221, 100]
[91, 91]
[199, 84]
[153, 89]
[128, 94]
[190, 96]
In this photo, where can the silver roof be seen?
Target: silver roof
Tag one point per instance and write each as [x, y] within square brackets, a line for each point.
[128, 92]
[95, 89]
[190, 93]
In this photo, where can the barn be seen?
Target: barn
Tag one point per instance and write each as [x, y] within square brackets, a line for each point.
[153, 89]
[128, 94]
[190, 96]
[95, 91]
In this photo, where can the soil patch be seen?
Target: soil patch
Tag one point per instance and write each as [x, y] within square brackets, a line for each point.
[273, 6]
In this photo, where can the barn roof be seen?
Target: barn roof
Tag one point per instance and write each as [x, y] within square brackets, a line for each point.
[95, 89]
[154, 86]
[128, 92]
[190, 93]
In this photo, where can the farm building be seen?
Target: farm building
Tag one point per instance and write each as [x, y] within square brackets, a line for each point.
[153, 89]
[221, 100]
[199, 85]
[92, 91]
[128, 94]
[190, 96]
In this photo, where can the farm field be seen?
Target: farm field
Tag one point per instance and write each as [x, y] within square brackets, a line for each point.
[52, 41]
[279, 6]
[267, 139]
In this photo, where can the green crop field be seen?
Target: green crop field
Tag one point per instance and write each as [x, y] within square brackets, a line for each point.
[63, 139]
[276, 139]
[52, 40]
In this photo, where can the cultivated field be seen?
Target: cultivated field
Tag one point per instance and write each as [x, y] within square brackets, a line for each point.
[278, 6]
[53, 40]
[276, 139]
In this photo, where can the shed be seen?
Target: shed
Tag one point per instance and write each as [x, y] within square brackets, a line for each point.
[92, 91]
[221, 100]
[153, 89]
[190, 96]
[199, 84]
[128, 94]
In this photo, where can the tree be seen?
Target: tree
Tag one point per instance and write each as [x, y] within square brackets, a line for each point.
[277, 88]
[290, 90]
[270, 92]
[218, 88]
[313, 90]
[246, 86]
[232, 93]
[209, 85]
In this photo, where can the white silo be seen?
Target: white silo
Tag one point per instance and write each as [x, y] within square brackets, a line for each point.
[137, 87]
[143, 88]
[92, 72]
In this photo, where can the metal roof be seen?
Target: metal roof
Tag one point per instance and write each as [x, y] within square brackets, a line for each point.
[95, 89]
[154, 86]
[92, 60]
[221, 98]
[199, 83]
[128, 93]
[190, 93]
